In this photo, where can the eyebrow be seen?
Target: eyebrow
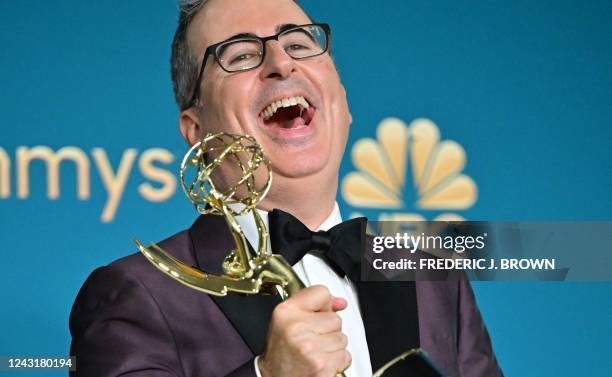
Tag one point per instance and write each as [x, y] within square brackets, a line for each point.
[283, 27]
[241, 35]
[279, 29]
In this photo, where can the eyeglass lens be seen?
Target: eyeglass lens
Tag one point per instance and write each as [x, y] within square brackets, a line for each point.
[247, 53]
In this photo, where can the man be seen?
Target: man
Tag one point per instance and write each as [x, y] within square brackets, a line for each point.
[262, 68]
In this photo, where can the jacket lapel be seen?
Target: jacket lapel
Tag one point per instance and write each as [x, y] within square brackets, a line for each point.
[390, 317]
[249, 314]
[381, 303]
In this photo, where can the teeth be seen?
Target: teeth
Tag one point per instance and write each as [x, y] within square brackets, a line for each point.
[270, 110]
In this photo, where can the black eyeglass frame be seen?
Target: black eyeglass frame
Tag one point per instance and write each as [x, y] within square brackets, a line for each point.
[213, 50]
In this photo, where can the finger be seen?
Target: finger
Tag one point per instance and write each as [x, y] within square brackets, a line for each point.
[338, 303]
[339, 362]
[335, 304]
[332, 342]
[323, 322]
[314, 299]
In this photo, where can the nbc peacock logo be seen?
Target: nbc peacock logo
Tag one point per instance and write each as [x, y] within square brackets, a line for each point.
[408, 168]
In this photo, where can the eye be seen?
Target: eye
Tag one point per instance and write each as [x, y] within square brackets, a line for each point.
[239, 54]
[297, 47]
[242, 58]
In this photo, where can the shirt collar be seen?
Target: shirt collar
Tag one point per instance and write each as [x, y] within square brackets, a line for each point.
[247, 223]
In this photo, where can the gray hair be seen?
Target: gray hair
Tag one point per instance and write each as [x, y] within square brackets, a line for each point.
[183, 64]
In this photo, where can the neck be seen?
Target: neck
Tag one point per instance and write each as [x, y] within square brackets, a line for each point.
[309, 199]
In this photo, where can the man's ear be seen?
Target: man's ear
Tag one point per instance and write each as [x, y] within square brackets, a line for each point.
[190, 127]
[348, 110]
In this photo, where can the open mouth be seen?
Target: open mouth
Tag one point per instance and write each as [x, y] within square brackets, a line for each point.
[292, 113]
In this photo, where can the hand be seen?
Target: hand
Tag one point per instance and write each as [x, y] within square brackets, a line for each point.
[305, 337]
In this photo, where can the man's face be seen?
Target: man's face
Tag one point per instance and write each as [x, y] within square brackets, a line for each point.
[235, 102]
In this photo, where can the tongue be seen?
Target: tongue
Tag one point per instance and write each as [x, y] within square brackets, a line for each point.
[293, 123]
[288, 117]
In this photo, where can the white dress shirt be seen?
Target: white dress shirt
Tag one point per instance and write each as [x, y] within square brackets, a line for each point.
[313, 270]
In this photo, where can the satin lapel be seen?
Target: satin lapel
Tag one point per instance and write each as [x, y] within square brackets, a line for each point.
[390, 317]
[250, 314]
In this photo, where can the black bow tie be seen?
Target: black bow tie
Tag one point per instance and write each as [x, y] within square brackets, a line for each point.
[340, 246]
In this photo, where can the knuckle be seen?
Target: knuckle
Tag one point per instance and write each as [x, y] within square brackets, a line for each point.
[348, 359]
[318, 365]
[293, 329]
[307, 348]
[337, 321]
[281, 312]
[333, 321]
[343, 340]
[321, 289]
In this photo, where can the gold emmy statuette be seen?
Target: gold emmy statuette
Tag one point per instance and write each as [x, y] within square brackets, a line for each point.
[244, 161]
[239, 159]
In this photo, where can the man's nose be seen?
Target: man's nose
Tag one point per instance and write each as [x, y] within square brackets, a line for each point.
[277, 63]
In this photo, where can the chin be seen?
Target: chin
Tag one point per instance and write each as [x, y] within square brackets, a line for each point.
[300, 165]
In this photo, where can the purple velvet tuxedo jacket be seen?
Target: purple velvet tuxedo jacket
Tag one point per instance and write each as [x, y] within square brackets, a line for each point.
[129, 319]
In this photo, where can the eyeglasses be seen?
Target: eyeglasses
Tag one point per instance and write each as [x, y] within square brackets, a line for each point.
[242, 53]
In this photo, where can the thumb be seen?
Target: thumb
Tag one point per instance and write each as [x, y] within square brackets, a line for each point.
[338, 304]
